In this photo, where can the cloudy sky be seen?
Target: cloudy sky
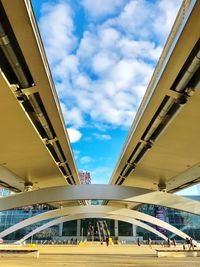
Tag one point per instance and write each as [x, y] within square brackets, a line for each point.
[102, 54]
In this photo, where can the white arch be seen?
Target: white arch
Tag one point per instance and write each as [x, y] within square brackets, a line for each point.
[97, 215]
[91, 210]
[105, 192]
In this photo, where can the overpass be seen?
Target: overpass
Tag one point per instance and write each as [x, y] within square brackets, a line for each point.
[35, 147]
[161, 152]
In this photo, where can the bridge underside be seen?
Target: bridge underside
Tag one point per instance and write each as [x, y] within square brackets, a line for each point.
[35, 148]
[162, 147]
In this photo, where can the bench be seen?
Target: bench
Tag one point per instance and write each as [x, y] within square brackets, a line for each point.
[34, 252]
[177, 253]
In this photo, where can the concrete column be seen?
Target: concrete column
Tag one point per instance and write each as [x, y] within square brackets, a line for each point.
[60, 229]
[134, 230]
[78, 231]
[116, 228]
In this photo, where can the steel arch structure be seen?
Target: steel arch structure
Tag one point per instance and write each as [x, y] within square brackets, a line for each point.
[93, 210]
[105, 192]
[94, 215]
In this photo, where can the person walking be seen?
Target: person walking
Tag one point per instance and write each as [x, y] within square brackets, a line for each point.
[191, 244]
[107, 241]
[174, 242]
[149, 242]
[187, 242]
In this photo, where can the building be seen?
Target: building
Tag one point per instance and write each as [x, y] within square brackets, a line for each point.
[85, 177]
[78, 229]
[186, 222]
[4, 192]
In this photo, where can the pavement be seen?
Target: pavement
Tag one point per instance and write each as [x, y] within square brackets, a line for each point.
[95, 256]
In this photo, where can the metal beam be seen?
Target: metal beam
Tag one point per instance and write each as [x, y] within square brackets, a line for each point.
[105, 192]
[93, 210]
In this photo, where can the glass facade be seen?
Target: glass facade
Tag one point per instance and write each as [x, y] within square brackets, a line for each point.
[69, 228]
[187, 222]
[125, 229]
[90, 227]
[12, 217]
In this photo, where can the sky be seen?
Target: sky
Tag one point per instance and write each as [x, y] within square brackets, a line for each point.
[102, 54]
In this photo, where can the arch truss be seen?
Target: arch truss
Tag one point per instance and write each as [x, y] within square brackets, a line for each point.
[105, 192]
[93, 215]
[89, 210]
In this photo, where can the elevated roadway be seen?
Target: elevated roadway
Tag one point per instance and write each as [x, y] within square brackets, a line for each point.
[161, 151]
[35, 147]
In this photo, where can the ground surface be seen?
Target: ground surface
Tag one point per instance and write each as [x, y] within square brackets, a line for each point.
[96, 256]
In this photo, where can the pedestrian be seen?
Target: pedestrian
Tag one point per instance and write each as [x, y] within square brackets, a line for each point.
[187, 242]
[149, 242]
[138, 241]
[191, 244]
[174, 242]
[107, 241]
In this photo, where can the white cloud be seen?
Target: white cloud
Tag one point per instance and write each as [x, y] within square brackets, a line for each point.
[73, 116]
[168, 10]
[101, 62]
[102, 136]
[98, 9]
[86, 159]
[56, 25]
[100, 175]
[104, 76]
[74, 135]
[144, 19]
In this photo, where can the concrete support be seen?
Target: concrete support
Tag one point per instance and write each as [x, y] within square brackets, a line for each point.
[78, 231]
[60, 229]
[116, 228]
[134, 230]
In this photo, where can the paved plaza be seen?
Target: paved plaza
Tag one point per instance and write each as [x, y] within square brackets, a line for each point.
[92, 256]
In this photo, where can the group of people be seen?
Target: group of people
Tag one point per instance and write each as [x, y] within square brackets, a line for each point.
[171, 242]
[188, 244]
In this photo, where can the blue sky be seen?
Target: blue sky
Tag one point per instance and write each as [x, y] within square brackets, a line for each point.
[102, 54]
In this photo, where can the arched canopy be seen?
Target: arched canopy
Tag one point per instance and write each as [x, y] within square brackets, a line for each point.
[97, 215]
[105, 192]
[94, 210]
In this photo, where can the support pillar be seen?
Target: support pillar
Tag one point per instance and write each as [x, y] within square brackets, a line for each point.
[116, 228]
[134, 228]
[60, 229]
[78, 229]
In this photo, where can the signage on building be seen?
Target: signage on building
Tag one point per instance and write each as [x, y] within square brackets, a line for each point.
[160, 213]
